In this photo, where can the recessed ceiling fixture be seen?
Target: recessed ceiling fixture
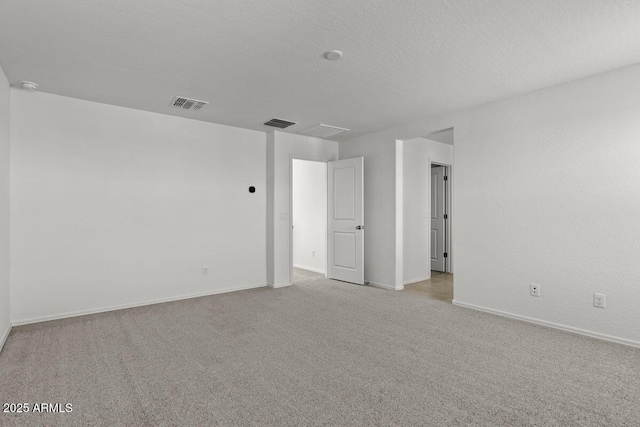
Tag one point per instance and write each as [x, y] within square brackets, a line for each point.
[323, 131]
[28, 85]
[187, 103]
[333, 55]
[279, 123]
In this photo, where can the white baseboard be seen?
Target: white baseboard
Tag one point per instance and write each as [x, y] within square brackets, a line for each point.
[419, 279]
[278, 285]
[579, 331]
[315, 270]
[4, 336]
[388, 287]
[131, 305]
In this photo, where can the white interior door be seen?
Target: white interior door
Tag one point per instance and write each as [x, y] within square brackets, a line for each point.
[346, 220]
[437, 218]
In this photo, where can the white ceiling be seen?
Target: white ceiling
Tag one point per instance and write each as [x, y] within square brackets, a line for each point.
[404, 60]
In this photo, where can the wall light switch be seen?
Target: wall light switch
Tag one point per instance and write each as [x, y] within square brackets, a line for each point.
[283, 216]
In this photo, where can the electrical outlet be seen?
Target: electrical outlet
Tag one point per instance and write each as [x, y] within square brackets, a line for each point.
[534, 290]
[313, 253]
[599, 300]
[205, 271]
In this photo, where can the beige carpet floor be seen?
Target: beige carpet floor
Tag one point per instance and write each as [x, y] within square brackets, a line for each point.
[317, 353]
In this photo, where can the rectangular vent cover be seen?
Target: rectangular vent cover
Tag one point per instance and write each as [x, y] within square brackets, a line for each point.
[323, 131]
[188, 103]
[279, 123]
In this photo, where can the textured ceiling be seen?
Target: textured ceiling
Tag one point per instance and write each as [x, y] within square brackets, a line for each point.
[404, 60]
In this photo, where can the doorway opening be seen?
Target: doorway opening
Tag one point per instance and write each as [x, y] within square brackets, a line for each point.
[427, 215]
[308, 220]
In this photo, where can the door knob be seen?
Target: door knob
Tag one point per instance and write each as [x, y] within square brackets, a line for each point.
[360, 227]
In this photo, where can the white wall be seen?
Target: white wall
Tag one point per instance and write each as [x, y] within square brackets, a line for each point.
[418, 155]
[399, 213]
[546, 191]
[5, 307]
[281, 149]
[310, 215]
[114, 207]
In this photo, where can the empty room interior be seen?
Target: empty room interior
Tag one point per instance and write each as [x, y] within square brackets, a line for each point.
[320, 212]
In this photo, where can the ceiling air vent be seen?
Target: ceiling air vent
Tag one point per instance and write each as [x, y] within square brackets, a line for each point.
[187, 103]
[279, 123]
[323, 131]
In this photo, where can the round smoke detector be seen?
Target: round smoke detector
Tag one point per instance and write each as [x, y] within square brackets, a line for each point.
[333, 55]
[28, 85]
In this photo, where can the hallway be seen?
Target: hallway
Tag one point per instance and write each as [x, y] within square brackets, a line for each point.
[439, 287]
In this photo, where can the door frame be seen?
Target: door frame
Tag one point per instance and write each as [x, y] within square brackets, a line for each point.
[326, 225]
[447, 206]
